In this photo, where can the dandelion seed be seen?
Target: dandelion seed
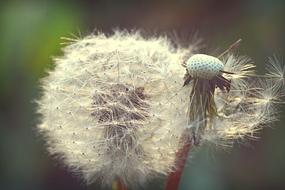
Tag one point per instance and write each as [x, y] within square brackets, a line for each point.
[276, 71]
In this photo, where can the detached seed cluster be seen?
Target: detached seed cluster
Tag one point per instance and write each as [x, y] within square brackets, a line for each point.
[204, 66]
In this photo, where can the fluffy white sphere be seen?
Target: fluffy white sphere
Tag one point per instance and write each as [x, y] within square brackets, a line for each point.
[110, 108]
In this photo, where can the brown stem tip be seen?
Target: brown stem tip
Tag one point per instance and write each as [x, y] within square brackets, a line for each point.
[119, 185]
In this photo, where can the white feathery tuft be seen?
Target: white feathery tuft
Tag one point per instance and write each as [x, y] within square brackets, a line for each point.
[276, 70]
[249, 106]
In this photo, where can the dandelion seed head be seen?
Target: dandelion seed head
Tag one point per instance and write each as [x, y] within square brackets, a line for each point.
[113, 107]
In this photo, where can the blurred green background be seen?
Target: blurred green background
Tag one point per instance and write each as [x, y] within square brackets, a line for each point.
[30, 36]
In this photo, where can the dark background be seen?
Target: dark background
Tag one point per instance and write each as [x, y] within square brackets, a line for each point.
[30, 36]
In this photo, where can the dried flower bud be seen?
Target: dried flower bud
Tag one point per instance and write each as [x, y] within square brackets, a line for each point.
[204, 66]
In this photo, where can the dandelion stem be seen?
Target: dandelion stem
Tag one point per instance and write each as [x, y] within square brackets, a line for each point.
[175, 176]
[119, 185]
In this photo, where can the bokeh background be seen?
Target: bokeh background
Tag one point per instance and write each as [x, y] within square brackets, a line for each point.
[30, 34]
